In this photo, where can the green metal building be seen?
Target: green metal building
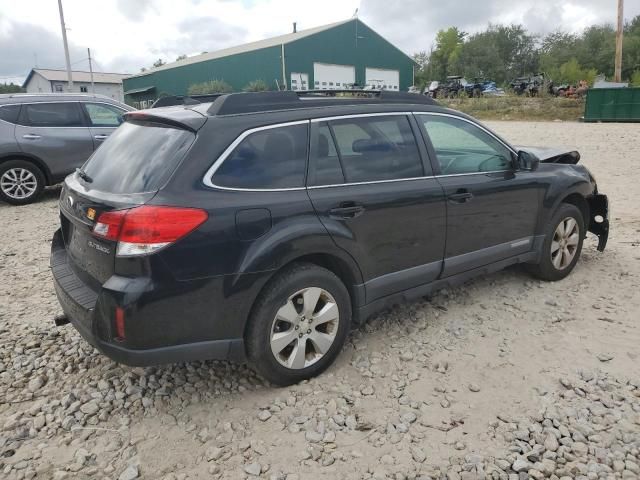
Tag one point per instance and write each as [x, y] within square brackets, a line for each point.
[333, 56]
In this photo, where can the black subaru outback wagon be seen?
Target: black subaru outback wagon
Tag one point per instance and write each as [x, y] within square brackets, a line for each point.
[262, 226]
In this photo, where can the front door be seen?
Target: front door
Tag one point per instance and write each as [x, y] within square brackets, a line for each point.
[492, 207]
[55, 133]
[368, 184]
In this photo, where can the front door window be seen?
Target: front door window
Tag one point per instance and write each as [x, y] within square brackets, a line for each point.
[462, 147]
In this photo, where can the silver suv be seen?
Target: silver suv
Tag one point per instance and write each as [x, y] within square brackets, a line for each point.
[45, 137]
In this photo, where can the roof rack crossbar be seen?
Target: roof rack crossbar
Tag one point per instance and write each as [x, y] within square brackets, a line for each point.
[254, 102]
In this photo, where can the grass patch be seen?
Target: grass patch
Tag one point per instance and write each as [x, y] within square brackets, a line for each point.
[518, 108]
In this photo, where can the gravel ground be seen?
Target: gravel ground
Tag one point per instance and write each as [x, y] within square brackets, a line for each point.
[504, 378]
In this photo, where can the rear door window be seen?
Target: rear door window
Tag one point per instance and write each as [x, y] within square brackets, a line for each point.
[137, 157]
[377, 148]
[273, 158]
[62, 114]
[9, 113]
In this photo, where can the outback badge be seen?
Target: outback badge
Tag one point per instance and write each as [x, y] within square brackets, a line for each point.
[91, 214]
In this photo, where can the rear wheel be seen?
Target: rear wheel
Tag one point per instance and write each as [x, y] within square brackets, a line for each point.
[298, 325]
[21, 182]
[562, 245]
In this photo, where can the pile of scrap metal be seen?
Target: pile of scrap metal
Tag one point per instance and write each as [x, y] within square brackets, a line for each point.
[569, 91]
[457, 86]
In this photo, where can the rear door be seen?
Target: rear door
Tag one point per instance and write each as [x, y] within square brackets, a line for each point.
[368, 184]
[103, 120]
[56, 133]
[492, 207]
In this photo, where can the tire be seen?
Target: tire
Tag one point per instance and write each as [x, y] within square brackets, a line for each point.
[277, 362]
[552, 267]
[21, 182]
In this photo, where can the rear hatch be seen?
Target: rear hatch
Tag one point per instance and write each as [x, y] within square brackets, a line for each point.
[125, 172]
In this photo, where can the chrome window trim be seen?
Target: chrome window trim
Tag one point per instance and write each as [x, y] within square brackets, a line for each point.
[372, 182]
[208, 176]
[207, 179]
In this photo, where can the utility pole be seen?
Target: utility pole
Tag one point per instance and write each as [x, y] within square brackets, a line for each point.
[66, 47]
[619, 35]
[91, 71]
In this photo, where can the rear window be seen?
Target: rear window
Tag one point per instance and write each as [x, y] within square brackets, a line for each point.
[63, 114]
[137, 158]
[268, 159]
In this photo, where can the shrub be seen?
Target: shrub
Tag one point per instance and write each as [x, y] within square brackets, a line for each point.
[256, 86]
[212, 86]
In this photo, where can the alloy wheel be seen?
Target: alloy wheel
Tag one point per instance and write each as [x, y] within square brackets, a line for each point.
[304, 328]
[565, 243]
[18, 183]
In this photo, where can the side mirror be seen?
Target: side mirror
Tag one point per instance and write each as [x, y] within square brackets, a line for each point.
[527, 161]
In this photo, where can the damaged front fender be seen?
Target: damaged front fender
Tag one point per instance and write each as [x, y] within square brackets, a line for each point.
[599, 218]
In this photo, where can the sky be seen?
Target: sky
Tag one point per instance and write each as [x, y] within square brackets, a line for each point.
[125, 35]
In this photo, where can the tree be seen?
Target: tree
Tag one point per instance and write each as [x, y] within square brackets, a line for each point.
[448, 47]
[212, 86]
[10, 88]
[502, 52]
[422, 72]
[181, 57]
[159, 63]
[499, 53]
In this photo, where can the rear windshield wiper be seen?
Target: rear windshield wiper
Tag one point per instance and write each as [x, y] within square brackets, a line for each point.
[83, 175]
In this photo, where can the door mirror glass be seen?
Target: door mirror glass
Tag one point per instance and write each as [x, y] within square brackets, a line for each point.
[527, 161]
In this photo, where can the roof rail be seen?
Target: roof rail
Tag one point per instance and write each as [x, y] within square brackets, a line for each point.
[253, 102]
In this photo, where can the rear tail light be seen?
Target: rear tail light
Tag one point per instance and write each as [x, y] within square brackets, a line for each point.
[144, 230]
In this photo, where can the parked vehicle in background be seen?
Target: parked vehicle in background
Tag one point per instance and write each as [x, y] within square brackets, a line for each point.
[475, 88]
[45, 137]
[453, 87]
[530, 86]
[267, 224]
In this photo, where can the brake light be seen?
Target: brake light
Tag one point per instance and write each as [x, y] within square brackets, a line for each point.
[146, 229]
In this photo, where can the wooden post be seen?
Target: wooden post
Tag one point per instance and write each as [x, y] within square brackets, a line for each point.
[619, 35]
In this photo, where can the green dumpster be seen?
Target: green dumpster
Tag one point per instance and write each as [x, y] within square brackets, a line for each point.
[612, 105]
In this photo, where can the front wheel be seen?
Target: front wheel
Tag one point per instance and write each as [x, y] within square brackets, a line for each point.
[298, 325]
[563, 244]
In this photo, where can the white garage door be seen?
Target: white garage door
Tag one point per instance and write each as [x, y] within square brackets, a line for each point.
[383, 79]
[333, 77]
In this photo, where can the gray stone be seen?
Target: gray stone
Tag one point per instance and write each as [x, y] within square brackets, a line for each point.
[130, 473]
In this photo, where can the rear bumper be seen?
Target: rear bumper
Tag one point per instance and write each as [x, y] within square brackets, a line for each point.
[90, 313]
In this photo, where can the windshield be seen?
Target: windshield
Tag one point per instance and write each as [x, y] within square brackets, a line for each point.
[137, 157]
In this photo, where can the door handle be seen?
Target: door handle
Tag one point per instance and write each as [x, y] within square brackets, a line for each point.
[101, 137]
[347, 211]
[30, 136]
[461, 196]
